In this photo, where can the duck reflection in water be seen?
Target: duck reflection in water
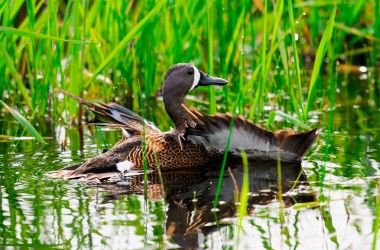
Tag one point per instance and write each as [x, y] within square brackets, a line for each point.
[197, 142]
[190, 195]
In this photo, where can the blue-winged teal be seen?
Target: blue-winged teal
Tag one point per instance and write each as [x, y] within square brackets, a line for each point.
[196, 139]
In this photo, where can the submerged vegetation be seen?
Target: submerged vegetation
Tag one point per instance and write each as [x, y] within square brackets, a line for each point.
[290, 64]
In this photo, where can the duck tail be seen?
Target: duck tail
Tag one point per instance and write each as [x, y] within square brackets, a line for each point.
[296, 144]
[80, 100]
[114, 115]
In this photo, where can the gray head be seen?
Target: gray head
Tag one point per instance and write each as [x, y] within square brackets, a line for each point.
[179, 80]
[183, 77]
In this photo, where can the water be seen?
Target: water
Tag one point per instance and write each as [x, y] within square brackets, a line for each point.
[336, 213]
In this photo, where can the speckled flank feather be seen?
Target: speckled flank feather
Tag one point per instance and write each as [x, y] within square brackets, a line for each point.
[161, 145]
[169, 154]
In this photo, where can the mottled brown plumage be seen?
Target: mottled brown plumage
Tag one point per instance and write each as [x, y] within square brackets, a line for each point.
[196, 140]
[166, 150]
[162, 150]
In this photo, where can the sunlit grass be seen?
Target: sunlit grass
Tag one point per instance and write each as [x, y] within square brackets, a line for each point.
[78, 50]
[319, 58]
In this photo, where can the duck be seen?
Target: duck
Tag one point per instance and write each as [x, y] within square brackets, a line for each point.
[196, 140]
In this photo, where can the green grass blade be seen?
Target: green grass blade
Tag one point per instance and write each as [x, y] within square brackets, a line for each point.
[319, 60]
[279, 192]
[235, 38]
[258, 98]
[356, 32]
[295, 50]
[232, 122]
[329, 225]
[292, 120]
[25, 123]
[2, 5]
[210, 50]
[9, 61]
[285, 63]
[376, 222]
[13, 31]
[217, 193]
[278, 17]
[243, 194]
[123, 43]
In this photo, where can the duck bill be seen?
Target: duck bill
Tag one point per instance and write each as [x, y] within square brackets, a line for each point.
[206, 80]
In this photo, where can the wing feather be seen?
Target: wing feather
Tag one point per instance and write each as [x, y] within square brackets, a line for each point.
[115, 115]
[213, 132]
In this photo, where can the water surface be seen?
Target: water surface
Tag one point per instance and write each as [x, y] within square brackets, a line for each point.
[333, 204]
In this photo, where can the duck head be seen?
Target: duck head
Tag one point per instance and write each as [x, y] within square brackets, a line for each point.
[179, 80]
[183, 77]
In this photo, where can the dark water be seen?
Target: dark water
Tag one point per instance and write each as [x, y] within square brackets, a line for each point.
[333, 205]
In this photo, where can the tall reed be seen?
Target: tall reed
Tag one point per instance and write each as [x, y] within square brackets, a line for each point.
[49, 45]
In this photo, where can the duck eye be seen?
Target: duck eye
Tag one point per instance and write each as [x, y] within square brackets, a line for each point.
[190, 72]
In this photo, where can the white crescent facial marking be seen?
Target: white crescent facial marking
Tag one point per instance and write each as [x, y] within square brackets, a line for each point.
[197, 76]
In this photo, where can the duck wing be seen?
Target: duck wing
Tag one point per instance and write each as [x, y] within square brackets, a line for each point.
[103, 166]
[115, 115]
[257, 142]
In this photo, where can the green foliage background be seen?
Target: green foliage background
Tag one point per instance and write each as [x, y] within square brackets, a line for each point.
[107, 50]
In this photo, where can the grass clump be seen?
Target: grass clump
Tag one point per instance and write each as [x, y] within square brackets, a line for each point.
[261, 47]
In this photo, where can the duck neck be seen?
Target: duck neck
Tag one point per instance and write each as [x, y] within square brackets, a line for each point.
[178, 114]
